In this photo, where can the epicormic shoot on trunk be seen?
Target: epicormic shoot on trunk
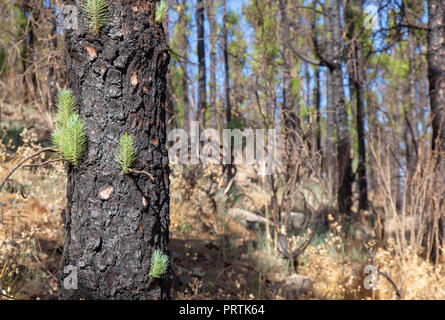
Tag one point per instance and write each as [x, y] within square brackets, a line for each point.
[96, 12]
[69, 135]
[126, 155]
[161, 11]
[159, 263]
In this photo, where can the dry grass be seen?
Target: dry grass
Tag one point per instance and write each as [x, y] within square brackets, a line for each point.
[215, 257]
[30, 229]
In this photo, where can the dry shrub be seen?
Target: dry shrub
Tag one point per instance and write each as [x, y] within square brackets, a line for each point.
[414, 210]
[414, 276]
[192, 191]
[336, 271]
[28, 226]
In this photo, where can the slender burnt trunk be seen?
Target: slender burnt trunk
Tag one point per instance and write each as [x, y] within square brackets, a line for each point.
[318, 107]
[114, 222]
[410, 127]
[344, 161]
[329, 156]
[288, 109]
[356, 82]
[436, 70]
[202, 103]
[227, 81]
[360, 119]
[213, 30]
[183, 51]
[29, 47]
[436, 78]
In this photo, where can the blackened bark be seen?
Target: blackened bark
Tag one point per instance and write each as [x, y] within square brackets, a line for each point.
[229, 166]
[411, 131]
[436, 70]
[32, 14]
[344, 161]
[52, 75]
[318, 107]
[356, 80]
[213, 34]
[436, 78]
[114, 222]
[360, 119]
[183, 51]
[329, 156]
[202, 103]
[288, 111]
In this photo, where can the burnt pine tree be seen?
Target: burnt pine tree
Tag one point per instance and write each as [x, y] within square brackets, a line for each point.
[114, 221]
[202, 104]
[436, 78]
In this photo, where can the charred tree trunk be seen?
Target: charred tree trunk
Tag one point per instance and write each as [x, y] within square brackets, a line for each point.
[344, 161]
[183, 51]
[436, 70]
[410, 127]
[329, 156]
[356, 81]
[202, 103]
[229, 167]
[32, 15]
[317, 102]
[436, 78]
[213, 34]
[288, 110]
[114, 222]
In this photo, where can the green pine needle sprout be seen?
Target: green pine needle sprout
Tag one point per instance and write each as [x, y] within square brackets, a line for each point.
[159, 263]
[96, 12]
[71, 139]
[161, 11]
[65, 106]
[69, 135]
[125, 153]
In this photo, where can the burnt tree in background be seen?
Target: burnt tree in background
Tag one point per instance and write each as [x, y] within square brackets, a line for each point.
[114, 222]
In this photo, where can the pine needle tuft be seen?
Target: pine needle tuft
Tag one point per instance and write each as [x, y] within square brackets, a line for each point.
[126, 154]
[159, 263]
[96, 12]
[65, 106]
[161, 11]
[69, 135]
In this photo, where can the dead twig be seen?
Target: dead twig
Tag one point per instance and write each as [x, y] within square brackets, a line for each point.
[399, 295]
[143, 172]
[21, 162]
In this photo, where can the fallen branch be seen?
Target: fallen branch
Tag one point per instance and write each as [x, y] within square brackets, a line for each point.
[399, 295]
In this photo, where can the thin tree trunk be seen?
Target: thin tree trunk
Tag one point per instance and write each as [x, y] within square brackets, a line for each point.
[436, 78]
[436, 70]
[227, 81]
[202, 103]
[354, 10]
[211, 18]
[289, 116]
[412, 133]
[114, 222]
[344, 161]
[183, 51]
[318, 107]
[330, 162]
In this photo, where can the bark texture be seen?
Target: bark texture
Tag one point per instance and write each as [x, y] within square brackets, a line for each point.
[202, 102]
[114, 222]
[436, 70]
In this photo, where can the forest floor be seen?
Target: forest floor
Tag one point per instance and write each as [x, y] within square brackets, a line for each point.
[213, 255]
